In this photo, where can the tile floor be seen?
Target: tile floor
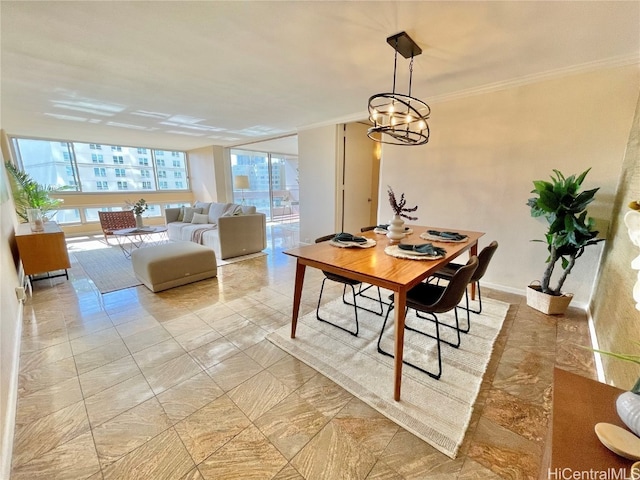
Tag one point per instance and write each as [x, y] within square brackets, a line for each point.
[184, 385]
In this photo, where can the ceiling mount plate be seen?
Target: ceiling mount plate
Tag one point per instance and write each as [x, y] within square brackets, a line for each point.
[406, 46]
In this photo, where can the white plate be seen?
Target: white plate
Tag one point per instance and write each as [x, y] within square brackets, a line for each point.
[434, 238]
[368, 244]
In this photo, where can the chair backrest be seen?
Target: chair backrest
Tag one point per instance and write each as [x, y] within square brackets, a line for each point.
[484, 257]
[456, 287]
[326, 238]
[368, 229]
[110, 221]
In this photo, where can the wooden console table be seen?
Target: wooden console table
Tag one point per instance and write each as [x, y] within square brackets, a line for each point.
[42, 252]
[580, 403]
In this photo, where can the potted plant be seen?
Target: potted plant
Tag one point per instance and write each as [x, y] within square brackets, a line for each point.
[138, 209]
[569, 231]
[29, 194]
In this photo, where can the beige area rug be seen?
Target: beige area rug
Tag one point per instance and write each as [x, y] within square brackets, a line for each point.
[438, 411]
[107, 268]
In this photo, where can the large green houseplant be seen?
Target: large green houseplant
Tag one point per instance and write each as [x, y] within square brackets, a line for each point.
[569, 231]
[27, 193]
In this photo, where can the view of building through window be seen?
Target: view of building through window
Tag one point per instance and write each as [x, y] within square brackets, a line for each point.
[90, 167]
[273, 182]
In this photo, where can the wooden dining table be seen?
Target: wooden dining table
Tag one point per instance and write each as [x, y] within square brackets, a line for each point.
[375, 267]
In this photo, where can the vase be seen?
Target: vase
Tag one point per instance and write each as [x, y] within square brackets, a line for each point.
[36, 222]
[395, 230]
[139, 223]
[628, 408]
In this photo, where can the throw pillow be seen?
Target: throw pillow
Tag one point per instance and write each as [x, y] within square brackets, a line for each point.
[188, 213]
[200, 218]
[203, 205]
[216, 211]
[181, 214]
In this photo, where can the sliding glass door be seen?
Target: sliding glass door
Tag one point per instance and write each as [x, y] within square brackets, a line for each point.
[267, 180]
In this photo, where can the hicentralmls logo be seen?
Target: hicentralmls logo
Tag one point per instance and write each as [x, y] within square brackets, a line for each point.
[608, 474]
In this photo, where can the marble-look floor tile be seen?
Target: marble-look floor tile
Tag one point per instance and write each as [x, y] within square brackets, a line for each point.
[186, 324]
[505, 453]
[158, 354]
[38, 342]
[69, 461]
[101, 378]
[246, 337]
[524, 375]
[137, 325]
[48, 400]
[185, 398]
[48, 355]
[196, 339]
[100, 356]
[193, 475]
[248, 455]
[214, 352]
[381, 471]
[472, 470]
[94, 340]
[122, 434]
[325, 395]
[265, 353]
[81, 327]
[292, 372]
[288, 473]
[34, 439]
[166, 375]
[211, 427]
[291, 424]
[112, 401]
[414, 459]
[529, 421]
[259, 394]
[333, 454]
[163, 457]
[141, 340]
[231, 372]
[46, 375]
[228, 324]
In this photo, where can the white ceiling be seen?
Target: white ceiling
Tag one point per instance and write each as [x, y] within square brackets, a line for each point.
[185, 74]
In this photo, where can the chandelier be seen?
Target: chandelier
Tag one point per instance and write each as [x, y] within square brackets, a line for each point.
[399, 119]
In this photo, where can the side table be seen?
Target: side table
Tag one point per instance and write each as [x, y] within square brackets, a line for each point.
[43, 252]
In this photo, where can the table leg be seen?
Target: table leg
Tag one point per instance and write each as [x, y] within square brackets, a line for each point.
[297, 294]
[400, 301]
[473, 251]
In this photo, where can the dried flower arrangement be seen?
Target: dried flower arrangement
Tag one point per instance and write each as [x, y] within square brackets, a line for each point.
[398, 207]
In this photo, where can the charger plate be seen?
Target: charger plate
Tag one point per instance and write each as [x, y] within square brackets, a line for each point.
[397, 252]
[435, 238]
[368, 244]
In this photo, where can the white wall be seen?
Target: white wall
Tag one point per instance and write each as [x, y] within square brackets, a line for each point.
[476, 172]
[317, 166]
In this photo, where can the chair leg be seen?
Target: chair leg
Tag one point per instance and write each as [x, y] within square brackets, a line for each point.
[355, 309]
[437, 337]
[360, 293]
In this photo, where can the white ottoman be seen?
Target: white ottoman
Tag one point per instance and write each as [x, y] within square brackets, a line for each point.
[173, 264]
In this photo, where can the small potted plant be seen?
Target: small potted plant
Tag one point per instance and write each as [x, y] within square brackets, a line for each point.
[569, 231]
[138, 209]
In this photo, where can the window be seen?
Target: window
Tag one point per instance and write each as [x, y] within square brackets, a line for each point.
[59, 163]
[163, 185]
[176, 163]
[162, 174]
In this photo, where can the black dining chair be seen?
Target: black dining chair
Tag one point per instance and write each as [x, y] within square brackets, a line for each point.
[435, 299]
[346, 282]
[484, 258]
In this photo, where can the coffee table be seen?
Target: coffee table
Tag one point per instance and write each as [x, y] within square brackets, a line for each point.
[131, 238]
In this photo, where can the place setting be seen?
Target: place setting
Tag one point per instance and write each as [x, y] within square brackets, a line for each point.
[425, 251]
[446, 237]
[348, 240]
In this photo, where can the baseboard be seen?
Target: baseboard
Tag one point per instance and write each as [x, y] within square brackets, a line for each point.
[8, 423]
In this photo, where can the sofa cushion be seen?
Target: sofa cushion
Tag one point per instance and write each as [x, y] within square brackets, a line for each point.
[232, 209]
[188, 214]
[216, 211]
[205, 206]
[248, 209]
[200, 218]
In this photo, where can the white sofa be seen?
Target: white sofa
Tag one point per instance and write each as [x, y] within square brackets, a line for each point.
[229, 229]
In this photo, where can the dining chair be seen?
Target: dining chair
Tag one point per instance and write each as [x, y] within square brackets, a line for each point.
[368, 229]
[432, 299]
[346, 282]
[111, 221]
[484, 257]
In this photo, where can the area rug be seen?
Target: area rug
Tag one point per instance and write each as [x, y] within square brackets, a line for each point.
[107, 268]
[438, 411]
